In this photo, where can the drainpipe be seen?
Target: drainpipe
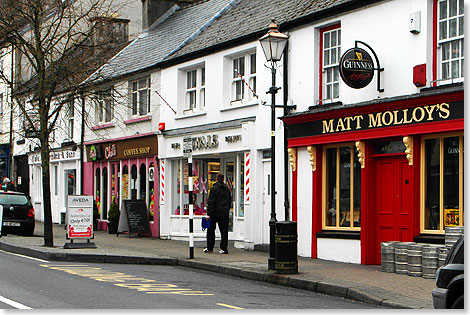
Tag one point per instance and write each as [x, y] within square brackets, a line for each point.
[11, 114]
[82, 140]
[285, 90]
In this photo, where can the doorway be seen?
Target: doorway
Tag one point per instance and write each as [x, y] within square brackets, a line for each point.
[393, 201]
[267, 189]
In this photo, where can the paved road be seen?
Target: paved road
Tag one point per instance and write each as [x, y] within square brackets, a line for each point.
[39, 284]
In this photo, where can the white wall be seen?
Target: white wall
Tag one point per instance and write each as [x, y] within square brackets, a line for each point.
[384, 27]
[304, 203]
[339, 250]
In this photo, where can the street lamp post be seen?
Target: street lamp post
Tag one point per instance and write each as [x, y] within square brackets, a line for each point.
[273, 44]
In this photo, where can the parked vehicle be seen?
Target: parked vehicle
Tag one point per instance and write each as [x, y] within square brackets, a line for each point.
[449, 291]
[18, 213]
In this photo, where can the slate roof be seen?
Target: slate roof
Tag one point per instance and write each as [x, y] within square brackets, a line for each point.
[250, 19]
[160, 40]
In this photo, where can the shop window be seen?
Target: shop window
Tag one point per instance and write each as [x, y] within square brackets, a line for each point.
[342, 188]
[97, 189]
[143, 181]
[442, 172]
[204, 176]
[140, 97]
[125, 182]
[450, 40]
[243, 73]
[151, 180]
[241, 189]
[134, 182]
[104, 203]
[330, 45]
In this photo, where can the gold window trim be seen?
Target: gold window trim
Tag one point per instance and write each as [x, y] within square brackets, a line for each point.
[422, 209]
[324, 189]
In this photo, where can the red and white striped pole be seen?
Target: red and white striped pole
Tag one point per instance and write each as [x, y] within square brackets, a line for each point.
[191, 206]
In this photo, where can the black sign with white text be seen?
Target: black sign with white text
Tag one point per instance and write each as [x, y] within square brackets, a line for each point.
[356, 68]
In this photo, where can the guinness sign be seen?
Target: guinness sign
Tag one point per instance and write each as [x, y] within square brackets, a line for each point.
[356, 68]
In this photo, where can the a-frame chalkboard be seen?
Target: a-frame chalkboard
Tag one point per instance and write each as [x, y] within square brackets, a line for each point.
[134, 217]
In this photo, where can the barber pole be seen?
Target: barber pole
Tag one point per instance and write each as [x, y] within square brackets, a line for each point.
[191, 206]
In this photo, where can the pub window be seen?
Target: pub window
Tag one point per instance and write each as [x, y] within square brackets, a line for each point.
[442, 173]
[342, 188]
[450, 42]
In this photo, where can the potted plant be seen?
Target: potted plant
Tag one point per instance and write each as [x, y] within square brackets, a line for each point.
[113, 218]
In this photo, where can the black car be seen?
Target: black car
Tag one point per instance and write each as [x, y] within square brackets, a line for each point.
[18, 213]
[449, 291]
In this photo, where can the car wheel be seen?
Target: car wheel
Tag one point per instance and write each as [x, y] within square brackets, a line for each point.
[458, 303]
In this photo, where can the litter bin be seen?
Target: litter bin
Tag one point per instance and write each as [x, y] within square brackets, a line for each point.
[286, 247]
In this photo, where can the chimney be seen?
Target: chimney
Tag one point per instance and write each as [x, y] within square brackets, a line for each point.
[153, 9]
[109, 32]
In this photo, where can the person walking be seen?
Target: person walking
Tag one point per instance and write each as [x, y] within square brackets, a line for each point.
[218, 207]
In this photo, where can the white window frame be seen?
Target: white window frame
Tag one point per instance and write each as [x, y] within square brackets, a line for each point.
[447, 42]
[104, 107]
[136, 88]
[248, 72]
[195, 89]
[70, 111]
[331, 54]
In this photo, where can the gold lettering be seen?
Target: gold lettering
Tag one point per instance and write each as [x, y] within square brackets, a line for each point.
[358, 121]
[405, 115]
[429, 110]
[348, 122]
[375, 122]
[395, 118]
[444, 109]
[327, 126]
[340, 124]
[390, 120]
[422, 114]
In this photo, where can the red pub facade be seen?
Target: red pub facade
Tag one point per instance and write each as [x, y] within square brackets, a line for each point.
[384, 170]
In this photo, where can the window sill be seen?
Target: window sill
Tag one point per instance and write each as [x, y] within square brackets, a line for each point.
[238, 104]
[137, 120]
[103, 126]
[431, 239]
[441, 85]
[340, 234]
[190, 113]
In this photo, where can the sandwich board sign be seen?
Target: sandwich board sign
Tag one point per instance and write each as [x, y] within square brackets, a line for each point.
[79, 220]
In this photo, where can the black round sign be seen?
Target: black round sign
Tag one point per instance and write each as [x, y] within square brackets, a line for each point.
[356, 68]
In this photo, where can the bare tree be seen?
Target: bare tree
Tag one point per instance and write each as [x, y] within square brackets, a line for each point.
[56, 45]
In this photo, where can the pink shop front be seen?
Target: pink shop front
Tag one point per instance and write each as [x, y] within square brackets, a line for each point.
[123, 169]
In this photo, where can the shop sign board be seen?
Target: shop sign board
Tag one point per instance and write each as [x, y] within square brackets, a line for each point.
[123, 149]
[80, 217]
[356, 68]
[414, 115]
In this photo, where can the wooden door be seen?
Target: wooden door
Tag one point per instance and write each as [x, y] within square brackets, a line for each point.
[394, 201]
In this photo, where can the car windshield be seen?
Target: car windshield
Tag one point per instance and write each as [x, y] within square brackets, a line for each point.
[18, 200]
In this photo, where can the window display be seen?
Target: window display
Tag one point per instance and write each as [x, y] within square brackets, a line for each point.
[443, 190]
[342, 188]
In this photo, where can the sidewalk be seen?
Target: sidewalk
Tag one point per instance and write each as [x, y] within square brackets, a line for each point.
[359, 282]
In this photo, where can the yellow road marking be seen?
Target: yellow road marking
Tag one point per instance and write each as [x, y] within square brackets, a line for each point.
[230, 306]
[122, 280]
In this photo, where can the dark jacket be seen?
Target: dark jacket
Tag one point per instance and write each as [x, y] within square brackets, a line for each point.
[220, 200]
